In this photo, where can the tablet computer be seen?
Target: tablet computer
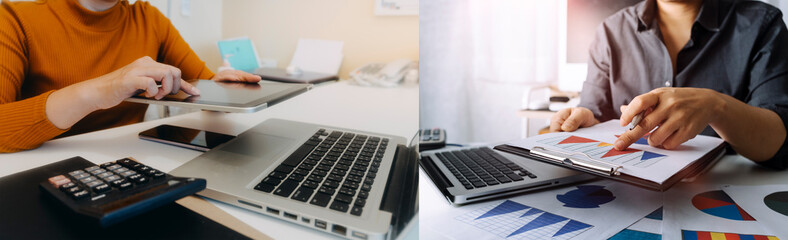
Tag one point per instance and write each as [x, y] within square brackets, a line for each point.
[229, 96]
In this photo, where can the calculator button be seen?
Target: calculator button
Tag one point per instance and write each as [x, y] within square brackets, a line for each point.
[101, 188]
[80, 195]
[59, 180]
[73, 190]
[88, 179]
[125, 185]
[75, 173]
[158, 175]
[136, 165]
[92, 168]
[113, 167]
[93, 183]
[111, 178]
[82, 175]
[127, 173]
[141, 180]
[120, 170]
[143, 168]
[66, 186]
[149, 172]
[125, 161]
[98, 171]
[104, 174]
[117, 182]
[106, 164]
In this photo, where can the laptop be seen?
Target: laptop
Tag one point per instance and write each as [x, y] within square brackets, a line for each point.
[347, 183]
[230, 96]
[472, 174]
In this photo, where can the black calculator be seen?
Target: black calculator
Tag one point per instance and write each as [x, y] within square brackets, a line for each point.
[115, 191]
[431, 138]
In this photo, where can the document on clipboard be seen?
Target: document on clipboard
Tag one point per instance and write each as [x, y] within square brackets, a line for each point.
[591, 150]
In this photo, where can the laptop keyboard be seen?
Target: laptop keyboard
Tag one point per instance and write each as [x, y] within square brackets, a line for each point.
[331, 167]
[481, 167]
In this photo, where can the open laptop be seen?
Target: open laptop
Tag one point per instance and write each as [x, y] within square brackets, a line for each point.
[230, 96]
[349, 183]
[471, 174]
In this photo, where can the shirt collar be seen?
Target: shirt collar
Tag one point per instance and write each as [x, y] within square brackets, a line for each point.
[708, 17]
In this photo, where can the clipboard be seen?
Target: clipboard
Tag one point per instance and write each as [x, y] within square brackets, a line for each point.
[581, 162]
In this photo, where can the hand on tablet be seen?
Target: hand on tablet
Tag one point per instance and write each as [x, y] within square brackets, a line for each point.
[144, 75]
[236, 76]
[68, 105]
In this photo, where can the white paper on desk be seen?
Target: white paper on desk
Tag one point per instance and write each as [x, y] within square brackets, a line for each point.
[768, 204]
[595, 210]
[640, 159]
[647, 228]
[696, 209]
[316, 55]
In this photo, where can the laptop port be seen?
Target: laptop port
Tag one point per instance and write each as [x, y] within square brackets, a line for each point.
[306, 220]
[320, 224]
[338, 229]
[360, 235]
[291, 216]
[272, 211]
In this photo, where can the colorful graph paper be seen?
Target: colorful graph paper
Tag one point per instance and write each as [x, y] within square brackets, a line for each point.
[718, 203]
[604, 151]
[629, 234]
[513, 220]
[701, 235]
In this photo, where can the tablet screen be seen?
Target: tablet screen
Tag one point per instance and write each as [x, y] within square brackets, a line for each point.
[229, 96]
[228, 92]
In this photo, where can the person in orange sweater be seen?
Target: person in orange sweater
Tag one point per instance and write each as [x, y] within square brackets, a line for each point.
[67, 65]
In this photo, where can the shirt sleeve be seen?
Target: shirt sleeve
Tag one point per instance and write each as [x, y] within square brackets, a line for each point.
[24, 124]
[175, 51]
[769, 78]
[596, 94]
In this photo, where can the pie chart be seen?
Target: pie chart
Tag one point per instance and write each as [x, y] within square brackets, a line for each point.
[586, 196]
[717, 203]
[778, 202]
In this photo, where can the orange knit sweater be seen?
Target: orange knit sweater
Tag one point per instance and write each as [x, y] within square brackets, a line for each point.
[50, 44]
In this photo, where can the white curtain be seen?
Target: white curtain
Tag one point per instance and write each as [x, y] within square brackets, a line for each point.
[477, 57]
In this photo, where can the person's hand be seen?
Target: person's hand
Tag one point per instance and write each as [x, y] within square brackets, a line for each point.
[68, 105]
[680, 114]
[144, 75]
[236, 76]
[570, 119]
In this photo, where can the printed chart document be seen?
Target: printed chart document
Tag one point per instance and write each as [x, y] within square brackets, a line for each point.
[705, 211]
[767, 203]
[591, 150]
[594, 210]
[647, 228]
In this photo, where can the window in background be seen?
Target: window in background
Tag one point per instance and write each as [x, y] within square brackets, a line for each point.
[476, 59]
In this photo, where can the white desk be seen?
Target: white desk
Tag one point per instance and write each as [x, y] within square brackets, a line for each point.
[392, 111]
[732, 169]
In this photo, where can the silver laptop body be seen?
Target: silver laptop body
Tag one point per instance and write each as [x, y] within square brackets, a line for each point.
[436, 164]
[234, 169]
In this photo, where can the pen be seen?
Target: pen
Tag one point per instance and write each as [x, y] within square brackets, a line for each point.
[636, 120]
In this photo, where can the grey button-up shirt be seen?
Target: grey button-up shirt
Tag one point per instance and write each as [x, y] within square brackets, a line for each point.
[736, 47]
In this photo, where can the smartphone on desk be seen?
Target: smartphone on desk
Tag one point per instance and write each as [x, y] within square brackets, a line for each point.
[190, 138]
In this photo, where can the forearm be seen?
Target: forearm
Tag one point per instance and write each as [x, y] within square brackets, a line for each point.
[65, 107]
[755, 133]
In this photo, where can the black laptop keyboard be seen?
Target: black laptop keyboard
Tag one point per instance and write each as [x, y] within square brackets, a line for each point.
[481, 167]
[332, 168]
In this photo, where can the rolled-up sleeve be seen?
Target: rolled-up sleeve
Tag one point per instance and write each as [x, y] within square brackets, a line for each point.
[769, 78]
[596, 94]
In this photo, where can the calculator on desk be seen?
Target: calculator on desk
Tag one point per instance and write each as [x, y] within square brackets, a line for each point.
[115, 191]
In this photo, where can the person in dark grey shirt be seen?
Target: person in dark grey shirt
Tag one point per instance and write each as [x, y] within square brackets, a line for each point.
[713, 67]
